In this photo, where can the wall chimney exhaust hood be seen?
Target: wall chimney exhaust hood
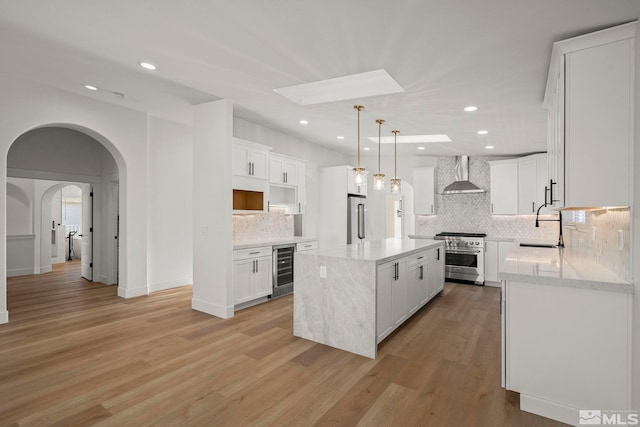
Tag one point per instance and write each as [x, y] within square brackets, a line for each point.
[462, 185]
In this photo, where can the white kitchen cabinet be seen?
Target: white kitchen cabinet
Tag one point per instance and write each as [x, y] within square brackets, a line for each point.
[288, 181]
[418, 292]
[252, 274]
[302, 187]
[567, 348]
[392, 305]
[490, 262]
[528, 185]
[283, 170]
[307, 246]
[503, 250]
[590, 129]
[424, 190]
[504, 187]
[249, 159]
[435, 271]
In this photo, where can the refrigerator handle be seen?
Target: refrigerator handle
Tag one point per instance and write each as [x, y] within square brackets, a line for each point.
[361, 221]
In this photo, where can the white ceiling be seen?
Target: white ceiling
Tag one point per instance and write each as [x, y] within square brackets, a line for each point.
[445, 54]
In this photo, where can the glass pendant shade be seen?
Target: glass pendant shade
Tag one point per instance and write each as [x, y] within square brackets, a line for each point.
[359, 176]
[395, 185]
[378, 181]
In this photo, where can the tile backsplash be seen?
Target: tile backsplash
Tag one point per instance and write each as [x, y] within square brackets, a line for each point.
[604, 237]
[471, 212]
[262, 226]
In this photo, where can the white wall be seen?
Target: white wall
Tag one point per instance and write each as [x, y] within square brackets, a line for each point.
[315, 156]
[27, 105]
[170, 199]
[19, 206]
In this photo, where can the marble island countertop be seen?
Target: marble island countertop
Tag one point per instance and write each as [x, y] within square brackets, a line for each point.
[559, 267]
[253, 243]
[379, 251]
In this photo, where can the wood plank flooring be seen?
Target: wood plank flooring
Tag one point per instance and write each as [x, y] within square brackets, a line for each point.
[76, 354]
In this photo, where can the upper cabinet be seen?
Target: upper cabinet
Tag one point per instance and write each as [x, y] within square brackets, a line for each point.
[287, 183]
[504, 187]
[250, 159]
[424, 190]
[589, 98]
[283, 170]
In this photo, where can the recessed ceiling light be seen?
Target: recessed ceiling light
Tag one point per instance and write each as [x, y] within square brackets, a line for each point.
[420, 148]
[489, 147]
[366, 148]
[412, 139]
[483, 132]
[303, 122]
[470, 108]
[91, 87]
[147, 65]
[340, 137]
[354, 86]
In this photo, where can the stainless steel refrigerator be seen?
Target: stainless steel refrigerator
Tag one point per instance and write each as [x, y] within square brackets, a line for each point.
[356, 218]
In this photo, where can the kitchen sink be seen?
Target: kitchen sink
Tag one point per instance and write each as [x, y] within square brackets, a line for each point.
[538, 245]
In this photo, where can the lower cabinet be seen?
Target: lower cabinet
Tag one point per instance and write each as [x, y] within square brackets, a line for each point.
[404, 286]
[495, 253]
[252, 274]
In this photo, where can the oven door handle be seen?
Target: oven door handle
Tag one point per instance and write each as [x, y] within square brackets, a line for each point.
[462, 252]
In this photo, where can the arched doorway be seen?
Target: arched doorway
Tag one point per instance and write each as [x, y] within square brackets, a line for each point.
[50, 158]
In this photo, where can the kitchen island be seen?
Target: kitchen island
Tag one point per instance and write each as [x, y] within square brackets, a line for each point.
[566, 333]
[351, 297]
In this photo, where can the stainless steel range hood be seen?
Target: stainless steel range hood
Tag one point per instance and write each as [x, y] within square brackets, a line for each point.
[462, 185]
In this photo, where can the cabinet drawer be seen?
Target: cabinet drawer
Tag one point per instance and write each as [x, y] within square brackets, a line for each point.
[252, 252]
[306, 246]
[416, 258]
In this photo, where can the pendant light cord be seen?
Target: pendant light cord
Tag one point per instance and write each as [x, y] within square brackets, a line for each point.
[358, 107]
[395, 153]
[380, 122]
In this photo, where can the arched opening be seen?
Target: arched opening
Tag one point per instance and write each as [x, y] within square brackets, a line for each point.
[45, 162]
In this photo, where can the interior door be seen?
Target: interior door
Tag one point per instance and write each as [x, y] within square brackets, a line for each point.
[87, 233]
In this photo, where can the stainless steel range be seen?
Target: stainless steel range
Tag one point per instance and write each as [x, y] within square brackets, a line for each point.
[464, 256]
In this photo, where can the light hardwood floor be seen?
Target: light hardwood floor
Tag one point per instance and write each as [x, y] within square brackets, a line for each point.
[76, 354]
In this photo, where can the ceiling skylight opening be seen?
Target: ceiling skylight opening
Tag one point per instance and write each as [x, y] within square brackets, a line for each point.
[413, 139]
[483, 132]
[470, 108]
[90, 87]
[148, 66]
[354, 86]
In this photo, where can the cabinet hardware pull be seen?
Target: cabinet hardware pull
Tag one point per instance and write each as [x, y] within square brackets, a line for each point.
[420, 257]
[421, 272]
[533, 206]
[438, 258]
[491, 207]
[254, 253]
[299, 208]
[256, 266]
[431, 208]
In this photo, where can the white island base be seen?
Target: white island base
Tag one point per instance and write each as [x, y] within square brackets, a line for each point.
[352, 297]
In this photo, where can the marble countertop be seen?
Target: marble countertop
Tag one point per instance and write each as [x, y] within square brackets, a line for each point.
[378, 251]
[559, 267]
[254, 243]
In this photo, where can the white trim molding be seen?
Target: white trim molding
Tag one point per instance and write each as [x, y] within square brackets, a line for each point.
[213, 309]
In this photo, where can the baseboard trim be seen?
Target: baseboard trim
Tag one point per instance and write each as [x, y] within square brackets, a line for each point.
[545, 408]
[4, 316]
[169, 285]
[19, 272]
[132, 293]
[212, 309]
[46, 269]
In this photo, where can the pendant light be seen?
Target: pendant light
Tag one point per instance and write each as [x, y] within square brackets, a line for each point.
[358, 172]
[378, 178]
[395, 181]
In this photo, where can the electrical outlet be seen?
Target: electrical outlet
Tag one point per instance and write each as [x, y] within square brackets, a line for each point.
[323, 272]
